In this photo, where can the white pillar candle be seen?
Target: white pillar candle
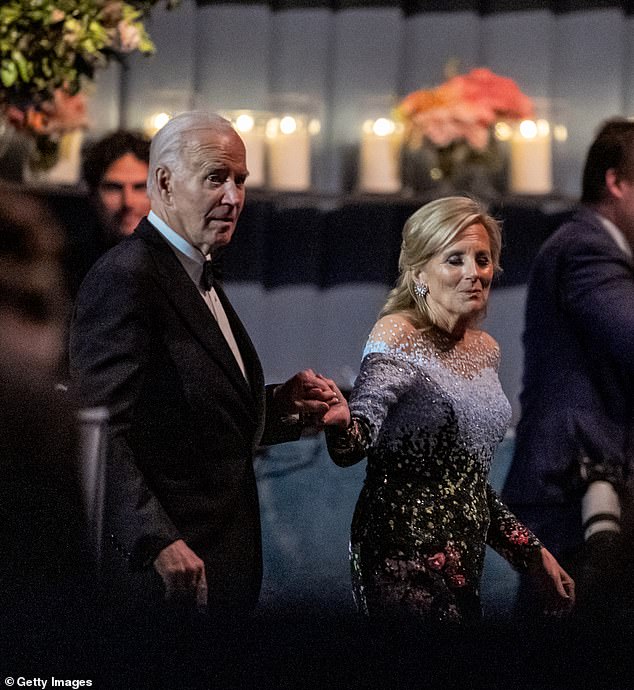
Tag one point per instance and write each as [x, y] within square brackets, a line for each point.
[531, 159]
[67, 168]
[378, 160]
[289, 154]
[253, 138]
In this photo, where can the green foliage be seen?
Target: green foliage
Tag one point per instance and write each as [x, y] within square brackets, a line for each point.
[47, 44]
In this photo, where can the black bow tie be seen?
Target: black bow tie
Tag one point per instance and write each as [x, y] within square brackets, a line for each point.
[211, 274]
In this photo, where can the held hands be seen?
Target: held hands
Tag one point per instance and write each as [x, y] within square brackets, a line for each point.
[183, 574]
[338, 413]
[307, 393]
[556, 587]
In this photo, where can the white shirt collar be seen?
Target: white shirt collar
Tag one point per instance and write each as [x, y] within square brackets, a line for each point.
[616, 235]
[190, 257]
[175, 239]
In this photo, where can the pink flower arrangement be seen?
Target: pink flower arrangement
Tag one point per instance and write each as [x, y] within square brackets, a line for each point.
[49, 51]
[463, 108]
[63, 113]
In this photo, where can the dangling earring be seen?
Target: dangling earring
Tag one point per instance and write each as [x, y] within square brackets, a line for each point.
[421, 290]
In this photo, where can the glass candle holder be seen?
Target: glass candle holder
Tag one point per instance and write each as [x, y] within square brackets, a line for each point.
[288, 146]
[530, 164]
[379, 154]
[154, 114]
[291, 133]
[251, 126]
[530, 145]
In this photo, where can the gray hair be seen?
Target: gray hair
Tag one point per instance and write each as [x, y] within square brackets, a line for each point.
[426, 232]
[168, 145]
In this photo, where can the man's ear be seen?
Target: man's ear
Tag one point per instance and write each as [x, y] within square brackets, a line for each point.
[613, 183]
[163, 184]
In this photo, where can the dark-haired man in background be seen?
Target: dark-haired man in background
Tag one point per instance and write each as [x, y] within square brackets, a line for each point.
[115, 171]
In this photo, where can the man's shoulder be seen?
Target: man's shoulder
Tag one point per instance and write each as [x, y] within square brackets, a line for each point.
[584, 228]
[582, 220]
[126, 267]
[131, 252]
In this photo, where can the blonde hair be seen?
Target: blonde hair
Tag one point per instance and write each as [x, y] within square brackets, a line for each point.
[426, 232]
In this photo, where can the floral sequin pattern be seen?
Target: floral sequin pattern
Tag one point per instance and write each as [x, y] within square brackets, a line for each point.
[421, 586]
[428, 413]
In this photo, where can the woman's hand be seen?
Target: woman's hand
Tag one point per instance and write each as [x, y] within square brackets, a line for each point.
[307, 393]
[338, 412]
[556, 587]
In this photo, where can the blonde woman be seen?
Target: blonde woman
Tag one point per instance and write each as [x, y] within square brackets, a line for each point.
[428, 412]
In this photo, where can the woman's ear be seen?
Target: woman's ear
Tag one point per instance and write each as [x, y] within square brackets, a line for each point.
[421, 276]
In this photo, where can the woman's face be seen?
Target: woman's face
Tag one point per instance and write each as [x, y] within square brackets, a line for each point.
[459, 278]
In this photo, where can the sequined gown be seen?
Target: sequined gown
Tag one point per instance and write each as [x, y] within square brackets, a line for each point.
[428, 413]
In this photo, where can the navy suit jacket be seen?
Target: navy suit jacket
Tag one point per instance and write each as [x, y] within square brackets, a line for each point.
[184, 420]
[578, 385]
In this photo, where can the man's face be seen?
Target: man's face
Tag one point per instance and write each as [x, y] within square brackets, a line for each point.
[123, 196]
[207, 191]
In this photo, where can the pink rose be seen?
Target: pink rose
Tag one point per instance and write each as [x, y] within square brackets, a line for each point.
[129, 36]
[457, 581]
[436, 561]
[519, 537]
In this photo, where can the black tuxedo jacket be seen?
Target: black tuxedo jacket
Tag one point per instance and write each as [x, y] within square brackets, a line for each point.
[184, 421]
[578, 388]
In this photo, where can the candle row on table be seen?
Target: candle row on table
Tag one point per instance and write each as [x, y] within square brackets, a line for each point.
[279, 153]
[529, 153]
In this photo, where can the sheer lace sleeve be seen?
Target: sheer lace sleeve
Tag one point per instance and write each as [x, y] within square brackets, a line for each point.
[383, 378]
[509, 537]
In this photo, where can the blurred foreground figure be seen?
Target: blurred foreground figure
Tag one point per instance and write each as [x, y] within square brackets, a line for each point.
[571, 475]
[46, 563]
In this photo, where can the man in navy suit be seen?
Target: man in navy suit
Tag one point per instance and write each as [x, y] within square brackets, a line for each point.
[574, 448]
[155, 339]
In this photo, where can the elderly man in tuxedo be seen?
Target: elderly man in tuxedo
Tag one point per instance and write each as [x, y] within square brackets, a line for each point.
[155, 339]
[574, 449]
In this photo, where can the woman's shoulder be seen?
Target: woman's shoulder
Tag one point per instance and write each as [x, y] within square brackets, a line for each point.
[482, 339]
[484, 346]
[392, 332]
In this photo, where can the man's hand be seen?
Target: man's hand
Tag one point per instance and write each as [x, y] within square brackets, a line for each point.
[183, 574]
[306, 393]
[338, 414]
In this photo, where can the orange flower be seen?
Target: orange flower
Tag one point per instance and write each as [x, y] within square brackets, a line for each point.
[64, 113]
[464, 107]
